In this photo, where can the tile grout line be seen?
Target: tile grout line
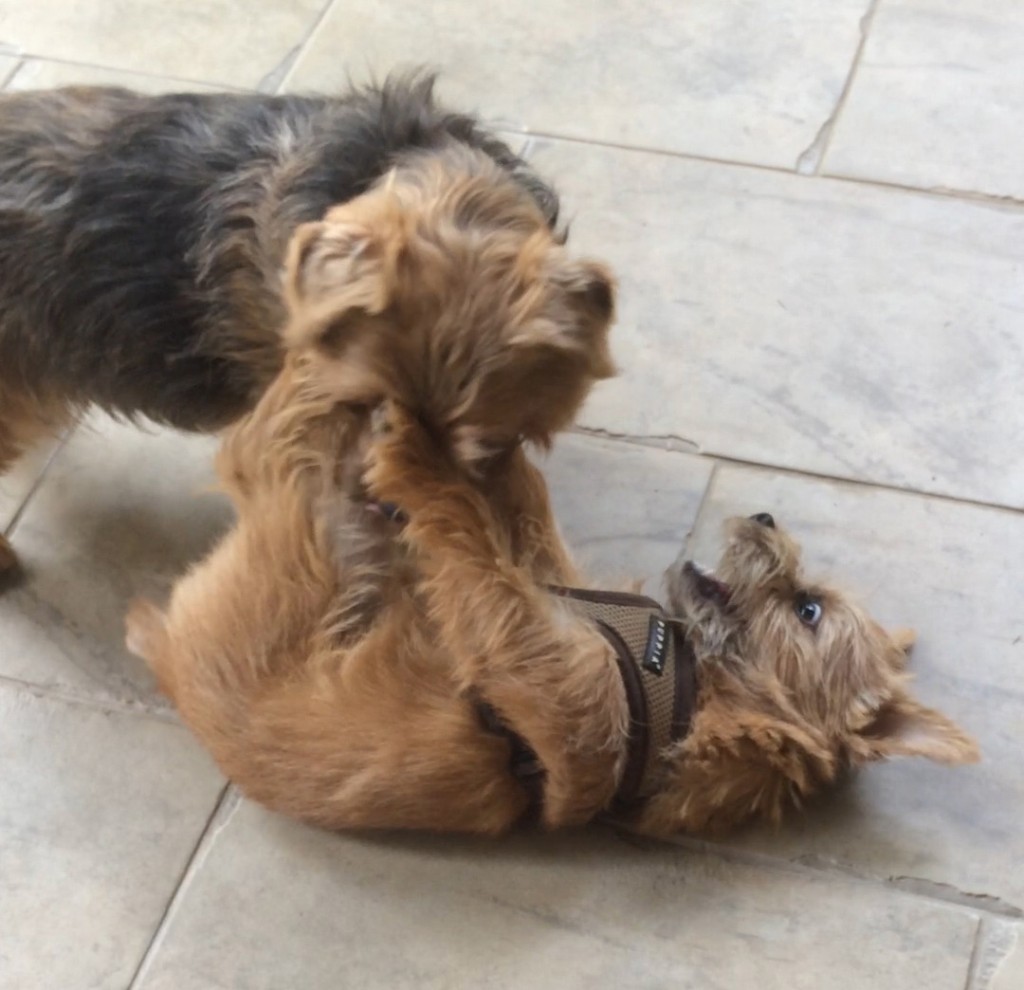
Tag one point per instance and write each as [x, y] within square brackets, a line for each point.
[934, 892]
[957, 195]
[646, 149]
[27, 57]
[669, 441]
[37, 482]
[999, 940]
[666, 444]
[974, 962]
[96, 703]
[222, 809]
[293, 58]
[862, 483]
[812, 159]
[704, 499]
[12, 72]
[866, 24]
[1010, 203]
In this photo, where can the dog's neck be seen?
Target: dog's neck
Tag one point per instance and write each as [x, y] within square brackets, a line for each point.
[659, 672]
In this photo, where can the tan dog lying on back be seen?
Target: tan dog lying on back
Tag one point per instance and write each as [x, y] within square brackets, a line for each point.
[376, 643]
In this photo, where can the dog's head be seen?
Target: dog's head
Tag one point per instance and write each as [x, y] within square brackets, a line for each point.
[797, 683]
[443, 288]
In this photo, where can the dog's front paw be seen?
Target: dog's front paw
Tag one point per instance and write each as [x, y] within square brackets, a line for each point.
[403, 462]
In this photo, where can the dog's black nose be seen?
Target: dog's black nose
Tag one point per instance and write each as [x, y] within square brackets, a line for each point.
[764, 519]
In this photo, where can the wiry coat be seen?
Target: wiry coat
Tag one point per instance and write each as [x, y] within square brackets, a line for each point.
[331, 676]
[142, 237]
[331, 659]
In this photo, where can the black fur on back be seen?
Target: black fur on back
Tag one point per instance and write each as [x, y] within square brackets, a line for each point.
[141, 237]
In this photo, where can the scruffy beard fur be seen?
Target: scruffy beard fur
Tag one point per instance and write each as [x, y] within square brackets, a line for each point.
[142, 238]
[330, 656]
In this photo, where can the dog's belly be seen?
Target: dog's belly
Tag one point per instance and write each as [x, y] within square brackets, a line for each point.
[371, 733]
[441, 772]
[339, 745]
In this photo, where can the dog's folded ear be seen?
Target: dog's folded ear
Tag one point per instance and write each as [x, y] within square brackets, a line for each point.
[739, 763]
[579, 322]
[904, 727]
[334, 271]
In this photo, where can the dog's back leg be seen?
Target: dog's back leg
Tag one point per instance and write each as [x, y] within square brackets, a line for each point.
[25, 418]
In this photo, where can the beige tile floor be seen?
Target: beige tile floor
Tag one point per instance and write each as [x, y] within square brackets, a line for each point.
[817, 214]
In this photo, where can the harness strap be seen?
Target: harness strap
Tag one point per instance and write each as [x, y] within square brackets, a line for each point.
[522, 760]
[659, 672]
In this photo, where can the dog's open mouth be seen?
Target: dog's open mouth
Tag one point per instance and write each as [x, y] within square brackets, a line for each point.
[707, 585]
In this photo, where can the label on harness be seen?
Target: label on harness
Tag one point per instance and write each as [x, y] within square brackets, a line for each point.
[657, 646]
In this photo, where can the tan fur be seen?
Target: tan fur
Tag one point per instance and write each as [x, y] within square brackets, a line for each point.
[785, 709]
[329, 657]
[319, 656]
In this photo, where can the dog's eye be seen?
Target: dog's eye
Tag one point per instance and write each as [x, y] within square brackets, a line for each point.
[808, 610]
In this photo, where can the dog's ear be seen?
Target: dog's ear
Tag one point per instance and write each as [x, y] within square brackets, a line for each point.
[738, 764]
[579, 322]
[904, 727]
[334, 273]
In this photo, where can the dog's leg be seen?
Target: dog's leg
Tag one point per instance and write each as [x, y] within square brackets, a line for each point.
[24, 419]
[552, 679]
[520, 496]
[312, 435]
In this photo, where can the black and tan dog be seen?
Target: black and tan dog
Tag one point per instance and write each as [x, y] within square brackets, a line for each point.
[142, 238]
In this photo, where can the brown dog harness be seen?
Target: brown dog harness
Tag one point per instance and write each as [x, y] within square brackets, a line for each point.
[658, 669]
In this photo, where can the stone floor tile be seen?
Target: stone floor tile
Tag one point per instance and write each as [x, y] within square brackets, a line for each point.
[275, 904]
[746, 81]
[99, 814]
[626, 511]
[122, 512]
[937, 98]
[951, 571]
[843, 330]
[37, 73]
[1008, 971]
[216, 41]
[17, 482]
[8, 63]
